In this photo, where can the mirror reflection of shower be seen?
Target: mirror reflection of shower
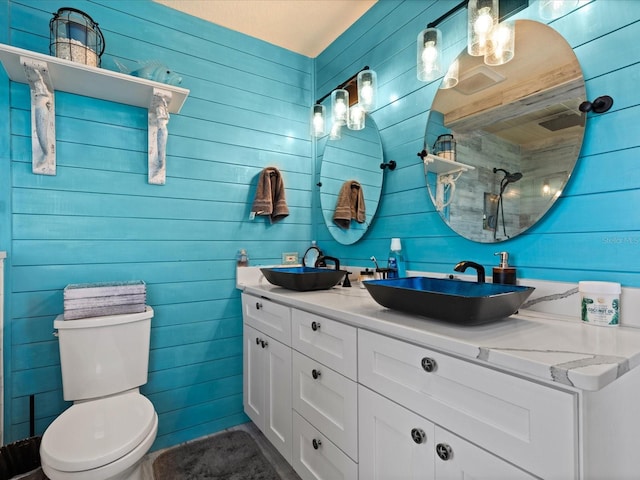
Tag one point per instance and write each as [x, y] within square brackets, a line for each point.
[506, 180]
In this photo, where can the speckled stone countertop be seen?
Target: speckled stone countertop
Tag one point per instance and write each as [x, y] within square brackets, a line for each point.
[533, 344]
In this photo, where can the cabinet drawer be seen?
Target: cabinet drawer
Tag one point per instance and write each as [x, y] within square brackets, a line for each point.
[329, 402]
[270, 318]
[526, 423]
[316, 458]
[327, 341]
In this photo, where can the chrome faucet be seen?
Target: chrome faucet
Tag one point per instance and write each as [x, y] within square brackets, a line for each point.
[462, 266]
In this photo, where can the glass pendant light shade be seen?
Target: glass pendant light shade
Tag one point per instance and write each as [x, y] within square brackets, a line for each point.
[336, 131]
[502, 41]
[340, 106]
[429, 54]
[550, 9]
[483, 15]
[317, 121]
[356, 117]
[367, 88]
[450, 79]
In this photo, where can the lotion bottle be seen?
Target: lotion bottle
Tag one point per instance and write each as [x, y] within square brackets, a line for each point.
[503, 273]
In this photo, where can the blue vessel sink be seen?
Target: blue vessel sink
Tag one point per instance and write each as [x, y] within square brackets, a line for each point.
[303, 279]
[449, 300]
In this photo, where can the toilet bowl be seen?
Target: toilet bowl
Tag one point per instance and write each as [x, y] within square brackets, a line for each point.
[101, 439]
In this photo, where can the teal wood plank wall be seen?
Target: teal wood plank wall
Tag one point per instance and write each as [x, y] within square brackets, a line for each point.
[593, 230]
[99, 220]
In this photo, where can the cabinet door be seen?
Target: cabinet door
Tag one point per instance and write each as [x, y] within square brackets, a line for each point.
[277, 423]
[253, 379]
[328, 401]
[267, 387]
[315, 457]
[395, 443]
[458, 459]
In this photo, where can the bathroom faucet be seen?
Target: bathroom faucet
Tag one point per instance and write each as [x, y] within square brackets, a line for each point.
[462, 266]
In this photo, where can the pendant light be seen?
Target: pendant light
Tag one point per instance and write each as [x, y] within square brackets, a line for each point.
[550, 9]
[367, 88]
[340, 106]
[429, 53]
[502, 42]
[482, 16]
[356, 117]
[317, 121]
[450, 79]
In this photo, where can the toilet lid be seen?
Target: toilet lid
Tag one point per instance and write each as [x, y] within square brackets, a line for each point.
[94, 433]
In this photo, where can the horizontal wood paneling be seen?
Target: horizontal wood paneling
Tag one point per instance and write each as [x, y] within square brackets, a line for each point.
[99, 220]
[591, 233]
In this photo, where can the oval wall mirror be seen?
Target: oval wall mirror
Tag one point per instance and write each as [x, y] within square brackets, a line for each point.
[512, 135]
[351, 180]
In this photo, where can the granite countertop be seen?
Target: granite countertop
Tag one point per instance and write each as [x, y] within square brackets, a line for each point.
[530, 343]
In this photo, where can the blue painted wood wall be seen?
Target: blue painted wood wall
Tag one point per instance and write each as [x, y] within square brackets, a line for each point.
[99, 220]
[592, 232]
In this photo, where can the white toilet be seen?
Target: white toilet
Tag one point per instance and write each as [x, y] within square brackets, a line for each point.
[110, 426]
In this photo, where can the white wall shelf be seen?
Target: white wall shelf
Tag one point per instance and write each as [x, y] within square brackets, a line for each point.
[46, 74]
[72, 77]
[444, 166]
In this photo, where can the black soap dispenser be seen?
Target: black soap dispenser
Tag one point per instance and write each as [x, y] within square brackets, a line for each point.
[503, 273]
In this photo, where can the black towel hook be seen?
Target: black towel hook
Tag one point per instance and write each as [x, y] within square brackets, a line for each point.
[391, 165]
[599, 105]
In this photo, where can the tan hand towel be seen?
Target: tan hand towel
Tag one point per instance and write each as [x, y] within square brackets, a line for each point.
[270, 198]
[350, 205]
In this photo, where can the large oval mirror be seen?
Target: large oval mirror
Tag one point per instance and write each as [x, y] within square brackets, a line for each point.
[504, 140]
[351, 182]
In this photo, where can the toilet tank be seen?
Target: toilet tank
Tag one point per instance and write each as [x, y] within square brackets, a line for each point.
[101, 356]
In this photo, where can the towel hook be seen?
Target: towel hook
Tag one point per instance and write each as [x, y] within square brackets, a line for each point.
[391, 165]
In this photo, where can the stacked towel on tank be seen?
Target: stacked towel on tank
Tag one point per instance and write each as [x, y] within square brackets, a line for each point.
[270, 198]
[84, 300]
[350, 205]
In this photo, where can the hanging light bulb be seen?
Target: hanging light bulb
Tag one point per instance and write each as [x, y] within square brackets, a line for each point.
[450, 79]
[317, 121]
[340, 106]
[429, 54]
[336, 131]
[367, 86]
[483, 15]
[550, 9]
[356, 117]
[502, 41]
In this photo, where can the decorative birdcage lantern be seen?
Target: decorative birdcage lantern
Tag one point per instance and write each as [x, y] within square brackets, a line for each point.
[75, 36]
[445, 147]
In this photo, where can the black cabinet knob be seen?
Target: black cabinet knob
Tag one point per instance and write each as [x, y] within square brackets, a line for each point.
[418, 435]
[257, 341]
[315, 326]
[316, 443]
[429, 364]
[258, 305]
[264, 343]
[444, 451]
[315, 374]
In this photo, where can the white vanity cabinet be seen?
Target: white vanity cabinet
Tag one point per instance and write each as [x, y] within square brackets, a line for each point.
[325, 401]
[528, 424]
[267, 370]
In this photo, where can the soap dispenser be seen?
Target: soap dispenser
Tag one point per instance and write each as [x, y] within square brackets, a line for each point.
[503, 273]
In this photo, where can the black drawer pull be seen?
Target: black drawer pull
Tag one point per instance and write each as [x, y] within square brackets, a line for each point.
[258, 305]
[315, 374]
[429, 364]
[315, 326]
[316, 443]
